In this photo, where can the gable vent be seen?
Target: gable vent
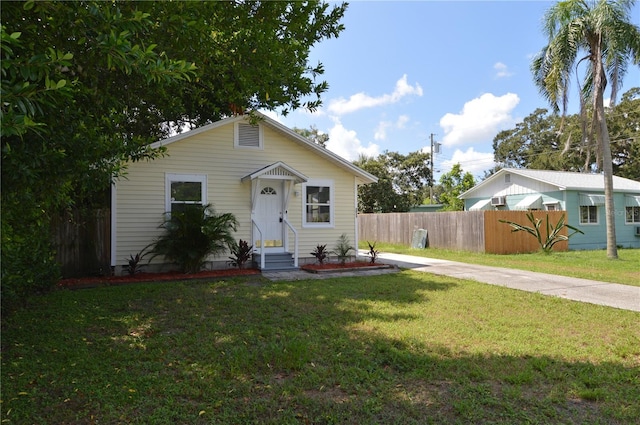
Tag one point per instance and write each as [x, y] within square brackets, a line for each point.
[248, 136]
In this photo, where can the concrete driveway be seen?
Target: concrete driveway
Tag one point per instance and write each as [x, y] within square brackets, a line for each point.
[591, 291]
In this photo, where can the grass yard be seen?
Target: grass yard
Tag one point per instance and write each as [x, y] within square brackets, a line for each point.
[584, 264]
[405, 348]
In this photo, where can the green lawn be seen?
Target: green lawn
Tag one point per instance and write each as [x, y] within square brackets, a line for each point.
[392, 349]
[585, 264]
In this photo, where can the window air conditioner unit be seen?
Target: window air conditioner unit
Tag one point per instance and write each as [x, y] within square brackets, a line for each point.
[637, 230]
[497, 201]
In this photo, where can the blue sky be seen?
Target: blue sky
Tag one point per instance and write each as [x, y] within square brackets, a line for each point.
[403, 70]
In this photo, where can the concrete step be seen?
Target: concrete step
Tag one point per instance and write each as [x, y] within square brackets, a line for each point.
[275, 261]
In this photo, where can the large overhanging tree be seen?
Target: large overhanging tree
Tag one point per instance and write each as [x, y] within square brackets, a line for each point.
[600, 35]
[545, 141]
[87, 85]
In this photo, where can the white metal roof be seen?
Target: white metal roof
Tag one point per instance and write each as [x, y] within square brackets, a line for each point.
[563, 180]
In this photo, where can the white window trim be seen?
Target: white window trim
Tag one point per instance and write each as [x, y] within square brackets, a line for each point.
[332, 205]
[589, 223]
[631, 223]
[195, 178]
[236, 137]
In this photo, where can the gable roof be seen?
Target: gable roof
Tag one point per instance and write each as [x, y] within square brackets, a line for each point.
[364, 176]
[563, 180]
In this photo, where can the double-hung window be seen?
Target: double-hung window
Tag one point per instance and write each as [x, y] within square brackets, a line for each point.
[632, 215]
[632, 209]
[588, 214]
[184, 191]
[589, 204]
[318, 204]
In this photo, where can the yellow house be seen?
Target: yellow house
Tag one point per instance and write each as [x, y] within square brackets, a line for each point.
[287, 193]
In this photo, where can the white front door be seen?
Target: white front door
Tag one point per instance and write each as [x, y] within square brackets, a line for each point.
[268, 215]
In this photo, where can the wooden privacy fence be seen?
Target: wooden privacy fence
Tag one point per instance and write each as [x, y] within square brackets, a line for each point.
[83, 243]
[476, 231]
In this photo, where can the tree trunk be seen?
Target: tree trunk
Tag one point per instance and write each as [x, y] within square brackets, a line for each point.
[605, 148]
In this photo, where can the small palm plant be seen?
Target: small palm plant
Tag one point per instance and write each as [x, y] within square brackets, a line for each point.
[553, 231]
[193, 234]
[343, 248]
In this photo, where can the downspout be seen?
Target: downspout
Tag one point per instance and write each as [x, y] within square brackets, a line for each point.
[355, 204]
[113, 226]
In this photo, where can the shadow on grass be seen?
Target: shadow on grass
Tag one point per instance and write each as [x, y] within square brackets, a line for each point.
[348, 350]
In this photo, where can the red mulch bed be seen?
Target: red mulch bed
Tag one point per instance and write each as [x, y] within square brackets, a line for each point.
[89, 282]
[328, 267]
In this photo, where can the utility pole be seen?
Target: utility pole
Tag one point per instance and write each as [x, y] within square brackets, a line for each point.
[435, 145]
[431, 179]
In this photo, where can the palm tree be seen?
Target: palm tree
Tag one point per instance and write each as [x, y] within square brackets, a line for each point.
[601, 33]
[194, 233]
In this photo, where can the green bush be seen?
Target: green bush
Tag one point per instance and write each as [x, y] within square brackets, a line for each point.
[193, 234]
[28, 259]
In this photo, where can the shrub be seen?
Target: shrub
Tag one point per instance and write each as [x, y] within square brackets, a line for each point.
[28, 259]
[241, 253]
[321, 253]
[194, 234]
[133, 263]
[343, 248]
[373, 252]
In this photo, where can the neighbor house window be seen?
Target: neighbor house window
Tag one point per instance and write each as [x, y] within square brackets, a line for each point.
[588, 214]
[632, 215]
[589, 204]
[632, 209]
[184, 191]
[318, 204]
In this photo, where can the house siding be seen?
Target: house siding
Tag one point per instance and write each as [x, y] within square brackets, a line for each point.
[595, 235]
[140, 197]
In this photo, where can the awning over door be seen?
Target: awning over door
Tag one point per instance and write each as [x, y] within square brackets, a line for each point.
[484, 204]
[276, 171]
[531, 202]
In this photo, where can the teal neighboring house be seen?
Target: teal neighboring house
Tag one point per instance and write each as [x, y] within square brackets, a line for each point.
[581, 195]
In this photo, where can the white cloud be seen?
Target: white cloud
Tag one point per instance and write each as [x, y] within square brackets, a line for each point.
[346, 144]
[470, 161]
[480, 119]
[381, 131]
[402, 121]
[502, 70]
[362, 100]
[383, 126]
